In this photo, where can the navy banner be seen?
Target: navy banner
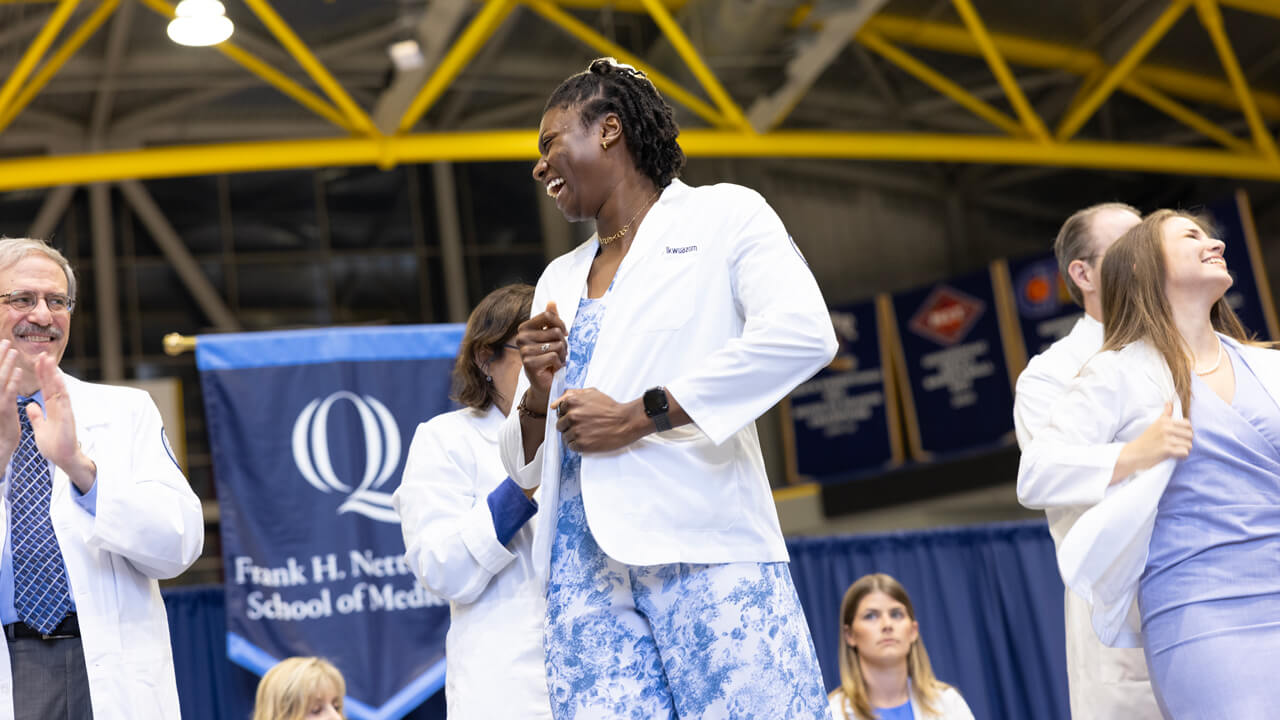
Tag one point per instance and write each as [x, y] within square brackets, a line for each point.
[1045, 311]
[308, 431]
[1250, 294]
[845, 419]
[958, 390]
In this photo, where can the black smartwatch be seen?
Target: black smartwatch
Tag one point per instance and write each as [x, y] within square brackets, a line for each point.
[655, 406]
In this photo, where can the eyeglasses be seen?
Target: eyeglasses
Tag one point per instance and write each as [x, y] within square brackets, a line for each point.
[510, 346]
[27, 300]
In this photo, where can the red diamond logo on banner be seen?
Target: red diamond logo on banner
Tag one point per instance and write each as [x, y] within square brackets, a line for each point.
[946, 315]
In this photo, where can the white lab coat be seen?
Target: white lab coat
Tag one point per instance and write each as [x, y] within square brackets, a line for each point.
[1102, 682]
[495, 665]
[714, 302]
[951, 706]
[1117, 395]
[148, 525]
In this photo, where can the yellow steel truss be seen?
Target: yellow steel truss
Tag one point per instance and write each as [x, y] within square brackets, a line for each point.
[1021, 140]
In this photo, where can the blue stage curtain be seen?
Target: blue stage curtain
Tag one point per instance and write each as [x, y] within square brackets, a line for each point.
[988, 600]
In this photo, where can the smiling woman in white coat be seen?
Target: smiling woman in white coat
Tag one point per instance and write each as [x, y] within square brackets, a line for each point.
[466, 526]
[692, 313]
[1180, 554]
[885, 672]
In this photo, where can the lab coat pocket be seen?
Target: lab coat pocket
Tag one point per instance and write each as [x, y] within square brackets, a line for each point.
[689, 486]
[671, 294]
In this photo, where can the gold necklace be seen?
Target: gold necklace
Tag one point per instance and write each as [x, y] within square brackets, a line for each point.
[626, 228]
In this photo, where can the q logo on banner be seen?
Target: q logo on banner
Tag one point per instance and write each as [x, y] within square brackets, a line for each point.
[382, 454]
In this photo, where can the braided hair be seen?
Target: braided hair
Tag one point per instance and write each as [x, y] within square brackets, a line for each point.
[608, 86]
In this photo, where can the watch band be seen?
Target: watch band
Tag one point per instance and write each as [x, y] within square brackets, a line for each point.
[656, 406]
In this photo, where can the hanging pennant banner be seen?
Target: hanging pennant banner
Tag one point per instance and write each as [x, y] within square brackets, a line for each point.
[958, 391]
[845, 419]
[309, 431]
[1250, 294]
[1045, 311]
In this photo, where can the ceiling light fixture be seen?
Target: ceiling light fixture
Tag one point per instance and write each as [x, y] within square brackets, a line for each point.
[200, 23]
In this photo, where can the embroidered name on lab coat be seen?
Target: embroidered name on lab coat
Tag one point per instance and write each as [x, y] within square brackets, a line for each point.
[681, 250]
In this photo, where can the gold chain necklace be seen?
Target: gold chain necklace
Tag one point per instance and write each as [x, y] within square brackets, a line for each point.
[626, 228]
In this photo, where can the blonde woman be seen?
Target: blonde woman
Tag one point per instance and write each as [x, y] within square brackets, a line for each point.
[884, 670]
[1190, 526]
[300, 688]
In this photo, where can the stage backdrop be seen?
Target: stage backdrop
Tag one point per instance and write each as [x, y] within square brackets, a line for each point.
[308, 431]
[988, 599]
[845, 419]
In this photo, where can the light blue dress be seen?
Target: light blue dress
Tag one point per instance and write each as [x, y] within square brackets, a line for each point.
[667, 641]
[1210, 594]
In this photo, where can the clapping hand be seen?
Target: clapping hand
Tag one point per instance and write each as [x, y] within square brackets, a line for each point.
[55, 428]
[10, 377]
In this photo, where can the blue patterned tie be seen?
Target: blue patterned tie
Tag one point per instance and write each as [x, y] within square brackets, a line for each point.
[40, 593]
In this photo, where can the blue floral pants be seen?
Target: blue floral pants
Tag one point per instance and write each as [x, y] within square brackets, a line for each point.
[672, 641]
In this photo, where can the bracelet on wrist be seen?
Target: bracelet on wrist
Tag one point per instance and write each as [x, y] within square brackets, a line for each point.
[526, 411]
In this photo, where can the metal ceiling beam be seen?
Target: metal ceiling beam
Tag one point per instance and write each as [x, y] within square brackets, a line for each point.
[116, 42]
[1035, 127]
[35, 51]
[356, 116]
[939, 82]
[51, 211]
[1033, 52]
[588, 36]
[1185, 115]
[484, 24]
[1101, 90]
[56, 61]
[150, 114]
[521, 145]
[1259, 7]
[687, 52]
[768, 112]
[1211, 18]
[179, 257]
[433, 31]
[268, 73]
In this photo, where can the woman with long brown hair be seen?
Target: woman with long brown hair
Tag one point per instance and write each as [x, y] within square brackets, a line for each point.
[884, 670]
[1189, 528]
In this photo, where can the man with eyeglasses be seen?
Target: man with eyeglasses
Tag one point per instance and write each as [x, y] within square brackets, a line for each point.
[94, 511]
[1103, 683]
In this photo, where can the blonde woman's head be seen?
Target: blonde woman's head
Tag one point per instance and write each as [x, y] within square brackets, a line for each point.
[300, 688]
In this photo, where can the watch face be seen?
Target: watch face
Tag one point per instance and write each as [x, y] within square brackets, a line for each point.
[655, 401]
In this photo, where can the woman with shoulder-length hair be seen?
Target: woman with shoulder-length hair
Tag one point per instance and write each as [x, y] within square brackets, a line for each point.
[884, 670]
[1190, 526]
[656, 345]
[466, 530]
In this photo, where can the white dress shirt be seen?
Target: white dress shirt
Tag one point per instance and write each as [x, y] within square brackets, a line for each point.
[1103, 683]
[494, 658]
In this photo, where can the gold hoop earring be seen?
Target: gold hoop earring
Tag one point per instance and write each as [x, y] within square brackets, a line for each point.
[604, 144]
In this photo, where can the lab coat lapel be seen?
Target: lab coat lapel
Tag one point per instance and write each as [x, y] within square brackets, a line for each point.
[631, 275]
